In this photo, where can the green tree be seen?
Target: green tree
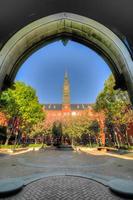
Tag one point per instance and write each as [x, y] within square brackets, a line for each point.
[116, 105]
[20, 101]
[38, 130]
[57, 132]
[75, 126]
[94, 130]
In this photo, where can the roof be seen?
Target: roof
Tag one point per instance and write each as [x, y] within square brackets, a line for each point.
[73, 106]
[53, 106]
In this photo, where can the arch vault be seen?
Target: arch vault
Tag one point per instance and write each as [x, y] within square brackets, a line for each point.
[77, 27]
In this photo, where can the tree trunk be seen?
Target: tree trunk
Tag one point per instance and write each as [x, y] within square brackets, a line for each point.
[42, 143]
[72, 141]
[35, 141]
[127, 140]
[16, 141]
[117, 140]
[97, 140]
[7, 139]
[90, 140]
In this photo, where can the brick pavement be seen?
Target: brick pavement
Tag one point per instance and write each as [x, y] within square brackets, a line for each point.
[64, 188]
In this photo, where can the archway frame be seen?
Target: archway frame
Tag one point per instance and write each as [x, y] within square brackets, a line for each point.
[85, 30]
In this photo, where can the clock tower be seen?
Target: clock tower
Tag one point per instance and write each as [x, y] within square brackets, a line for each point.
[66, 93]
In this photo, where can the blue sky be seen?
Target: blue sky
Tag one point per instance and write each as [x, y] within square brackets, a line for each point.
[44, 70]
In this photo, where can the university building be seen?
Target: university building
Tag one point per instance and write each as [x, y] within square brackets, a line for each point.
[55, 112]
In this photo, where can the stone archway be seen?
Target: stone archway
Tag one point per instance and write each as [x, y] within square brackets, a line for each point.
[85, 30]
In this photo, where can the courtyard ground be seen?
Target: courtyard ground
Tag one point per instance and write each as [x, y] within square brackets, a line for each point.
[70, 167]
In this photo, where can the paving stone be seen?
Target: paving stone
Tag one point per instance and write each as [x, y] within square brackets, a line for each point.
[65, 188]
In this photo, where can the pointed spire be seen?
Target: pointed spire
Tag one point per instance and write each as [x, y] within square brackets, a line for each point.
[66, 89]
[66, 74]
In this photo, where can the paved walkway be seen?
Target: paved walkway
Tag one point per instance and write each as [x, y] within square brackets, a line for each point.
[34, 165]
[64, 161]
[64, 188]
[118, 154]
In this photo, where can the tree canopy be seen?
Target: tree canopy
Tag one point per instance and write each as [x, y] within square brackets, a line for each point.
[115, 103]
[21, 101]
[76, 127]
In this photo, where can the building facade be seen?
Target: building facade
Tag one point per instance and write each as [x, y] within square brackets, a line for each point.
[56, 112]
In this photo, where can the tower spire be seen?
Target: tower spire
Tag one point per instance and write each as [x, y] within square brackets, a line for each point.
[66, 92]
[66, 75]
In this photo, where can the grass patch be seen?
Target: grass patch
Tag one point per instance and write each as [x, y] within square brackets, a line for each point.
[10, 146]
[21, 146]
[92, 145]
[130, 148]
[37, 145]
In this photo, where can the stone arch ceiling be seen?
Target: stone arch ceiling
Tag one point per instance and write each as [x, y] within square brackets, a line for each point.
[117, 15]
